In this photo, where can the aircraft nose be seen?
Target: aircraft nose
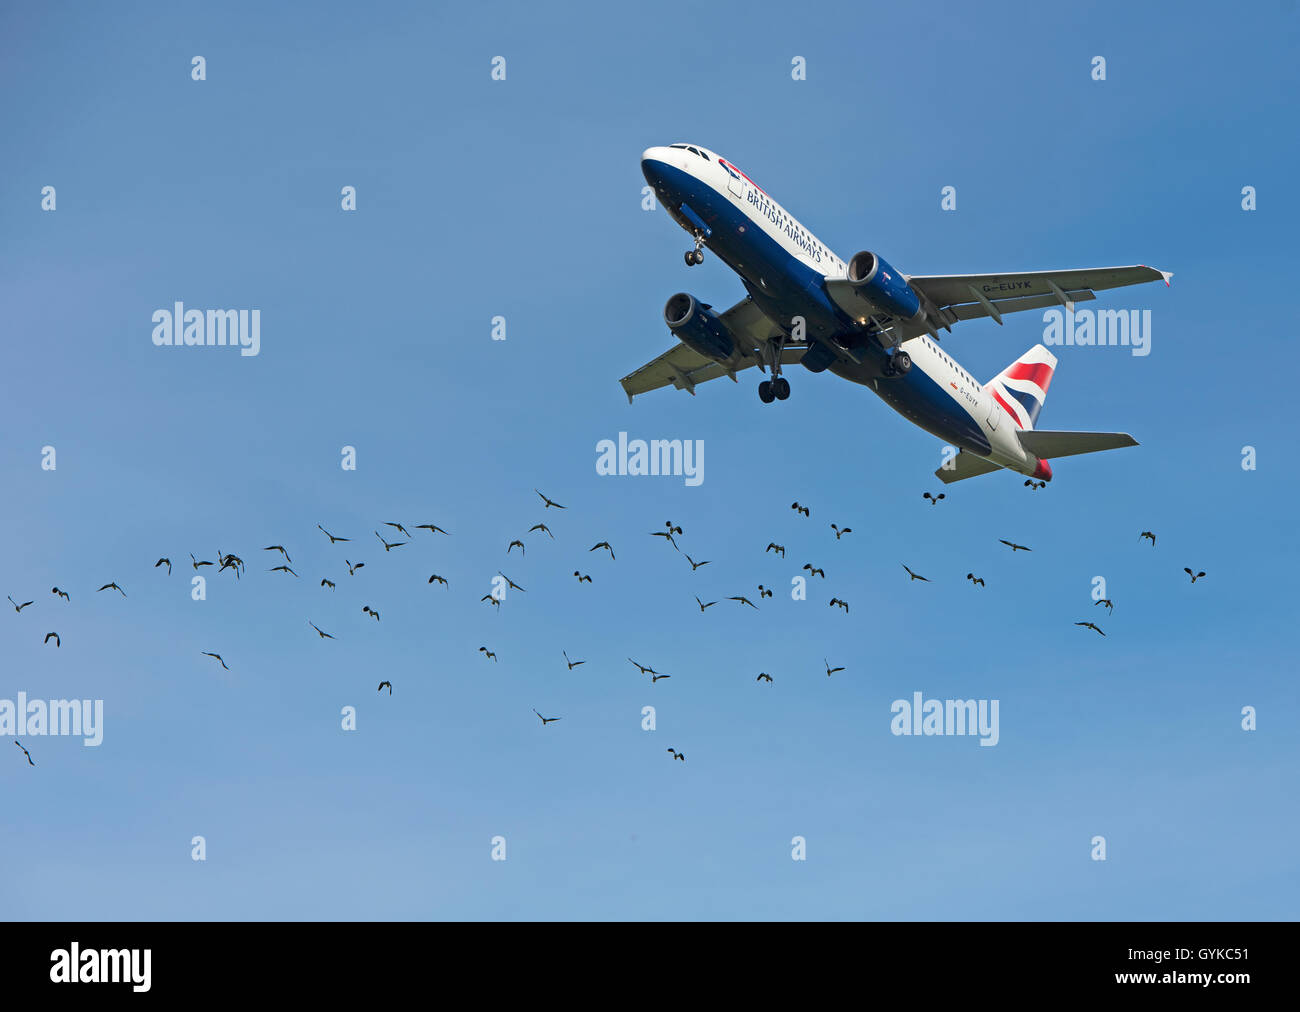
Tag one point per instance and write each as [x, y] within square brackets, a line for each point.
[651, 159]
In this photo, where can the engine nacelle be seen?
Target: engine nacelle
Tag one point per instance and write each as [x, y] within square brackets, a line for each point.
[700, 329]
[877, 282]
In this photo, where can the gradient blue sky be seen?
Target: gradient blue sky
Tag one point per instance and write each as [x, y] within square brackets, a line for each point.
[522, 198]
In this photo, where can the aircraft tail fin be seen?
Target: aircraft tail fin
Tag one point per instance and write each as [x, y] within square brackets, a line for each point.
[1047, 444]
[1021, 388]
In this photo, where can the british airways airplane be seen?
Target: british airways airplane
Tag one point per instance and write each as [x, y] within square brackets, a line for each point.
[863, 320]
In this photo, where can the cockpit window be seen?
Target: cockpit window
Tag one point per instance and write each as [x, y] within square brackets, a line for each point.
[682, 146]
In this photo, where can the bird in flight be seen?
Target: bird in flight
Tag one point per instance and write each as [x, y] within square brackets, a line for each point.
[62, 593]
[196, 563]
[1015, 547]
[841, 531]
[511, 583]
[382, 684]
[582, 577]
[1089, 625]
[491, 600]
[814, 570]
[696, 565]
[605, 545]
[164, 562]
[975, 580]
[280, 549]
[571, 664]
[843, 604]
[57, 642]
[1030, 483]
[281, 569]
[763, 676]
[327, 583]
[665, 534]
[487, 653]
[1110, 605]
[655, 678]
[542, 527]
[772, 546]
[323, 634]
[934, 499]
[744, 600]
[351, 568]
[522, 549]
[829, 670]
[1194, 576]
[331, 536]
[673, 528]
[799, 509]
[435, 578]
[1148, 534]
[389, 545]
[25, 752]
[405, 532]
[703, 605]
[763, 592]
[644, 670]
[205, 653]
[110, 586]
[231, 561]
[547, 720]
[19, 607]
[366, 609]
[431, 528]
[678, 755]
[915, 576]
[548, 503]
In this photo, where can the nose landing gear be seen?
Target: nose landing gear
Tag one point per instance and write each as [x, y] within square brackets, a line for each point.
[696, 256]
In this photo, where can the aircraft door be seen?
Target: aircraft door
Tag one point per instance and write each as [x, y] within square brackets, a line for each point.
[994, 412]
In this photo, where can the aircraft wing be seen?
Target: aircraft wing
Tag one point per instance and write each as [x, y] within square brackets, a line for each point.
[683, 367]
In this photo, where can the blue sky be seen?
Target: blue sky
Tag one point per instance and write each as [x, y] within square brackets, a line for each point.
[522, 199]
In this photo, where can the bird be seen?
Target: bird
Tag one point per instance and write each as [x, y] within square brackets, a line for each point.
[655, 678]
[19, 607]
[511, 583]
[435, 578]
[1089, 625]
[231, 561]
[196, 563]
[405, 532]
[366, 609]
[487, 653]
[542, 527]
[1030, 483]
[1015, 547]
[934, 499]
[351, 568]
[1148, 534]
[678, 755]
[389, 545]
[280, 549]
[25, 752]
[605, 545]
[829, 670]
[331, 536]
[841, 531]
[672, 528]
[281, 569]
[166, 562]
[665, 534]
[522, 549]
[703, 605]
[1194, 576]
[644, 670]
[327, 583]
[814, 570]
[1110, 606]
[763, 676]
[382, 684]
[799, 509]
[696, 565]
[431, 528]
[547, 720]
[976, 580]
[57, 642]
[772, 546]
[323, 635]
[62, 593]
[744, 600]
[582, 577]
[914, 576]
[763, 592]
[491, 600]
[548, 503]
[109, 586]
[205, 653]
[571, 664]
[843, 604]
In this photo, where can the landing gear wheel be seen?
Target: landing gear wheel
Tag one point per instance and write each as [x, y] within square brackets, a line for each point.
[902, 363]
[781, 387]
[765, 392]
[690, 258]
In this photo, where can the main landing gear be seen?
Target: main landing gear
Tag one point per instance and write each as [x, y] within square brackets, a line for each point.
[696, 256]
[899, 364]
[778, 387]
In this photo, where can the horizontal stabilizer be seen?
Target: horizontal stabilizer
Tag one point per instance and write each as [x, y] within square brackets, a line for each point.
[1048, 445]
[965, 465]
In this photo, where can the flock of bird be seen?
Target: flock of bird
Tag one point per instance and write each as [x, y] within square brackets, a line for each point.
[236, 565]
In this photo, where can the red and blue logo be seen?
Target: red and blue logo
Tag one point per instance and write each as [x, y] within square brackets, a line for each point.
[735, 173]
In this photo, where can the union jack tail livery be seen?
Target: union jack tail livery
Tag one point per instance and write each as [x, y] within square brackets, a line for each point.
[1022, 386]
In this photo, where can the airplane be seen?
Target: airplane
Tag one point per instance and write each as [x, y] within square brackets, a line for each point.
[862, 320]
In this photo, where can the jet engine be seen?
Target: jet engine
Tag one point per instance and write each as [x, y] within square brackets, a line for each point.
[698, 327]
[880, 284]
